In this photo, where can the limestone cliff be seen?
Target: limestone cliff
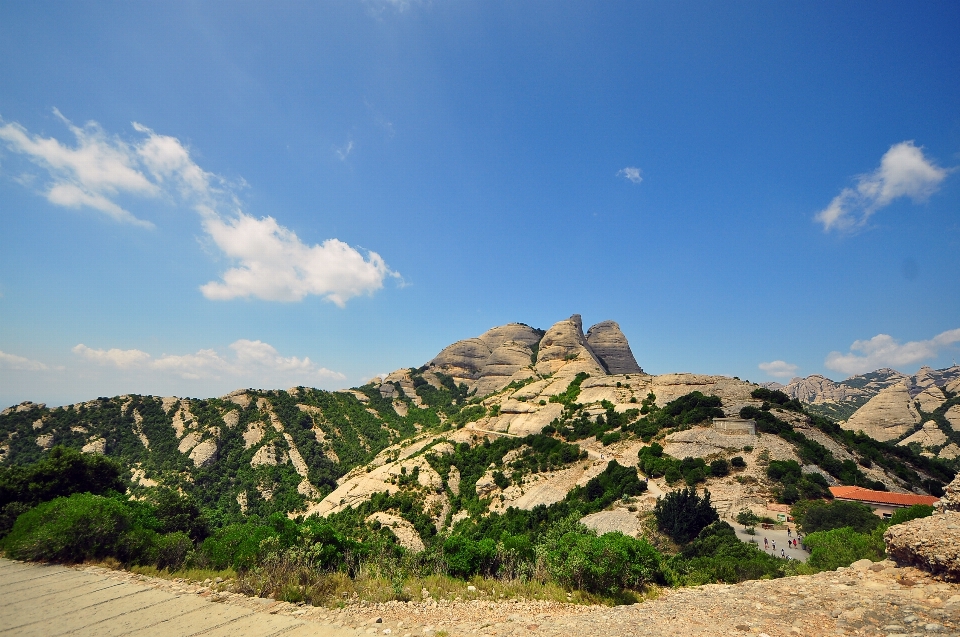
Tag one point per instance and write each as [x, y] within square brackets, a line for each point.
[888, 415]
[611, 347]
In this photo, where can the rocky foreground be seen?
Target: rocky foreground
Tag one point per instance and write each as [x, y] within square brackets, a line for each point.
[864, 599]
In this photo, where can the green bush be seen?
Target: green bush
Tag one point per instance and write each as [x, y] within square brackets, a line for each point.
[179, 513]
[682, 514]
[236, 546]
[718, 555]
[62, 472]
[465, 557]
[172, 550]
[910, 513]
[820, 516]
[73, 529]
[832, 549]
[746, 517]
[576, 557]
[719, 468]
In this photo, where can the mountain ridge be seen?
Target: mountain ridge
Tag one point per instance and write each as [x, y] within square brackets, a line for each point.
[515, 418]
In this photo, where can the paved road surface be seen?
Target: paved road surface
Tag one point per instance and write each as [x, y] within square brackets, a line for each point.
[776, 538]
[44, 601]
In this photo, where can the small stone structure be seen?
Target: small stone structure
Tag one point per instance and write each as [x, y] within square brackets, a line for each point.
[735, 426]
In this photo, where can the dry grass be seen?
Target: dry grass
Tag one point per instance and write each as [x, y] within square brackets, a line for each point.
[338, 589]
[188, 574]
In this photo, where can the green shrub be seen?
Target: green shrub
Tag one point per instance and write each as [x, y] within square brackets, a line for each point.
[738, 462]
[576, 557]
[719, 468]
[682, 514]
[820, 516]
[832, 549]
[746, 517]
[62, 472]
[172, 550]
[70, 530]
[236, 546]
[910, 513]
[179, 513]
[718, 555]
[465, 557]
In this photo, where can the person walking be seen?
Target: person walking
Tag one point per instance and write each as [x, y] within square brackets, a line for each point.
[783, 553]
[766, 544]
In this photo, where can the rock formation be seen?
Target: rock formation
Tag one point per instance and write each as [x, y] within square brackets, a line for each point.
[565, 342]
[931, 543]
[888, 415]
[611, 347]
[951, 497]
[930, 398]
[492, 358]
[927, 436]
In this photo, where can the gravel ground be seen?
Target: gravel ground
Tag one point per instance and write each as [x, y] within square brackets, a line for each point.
[865, 599]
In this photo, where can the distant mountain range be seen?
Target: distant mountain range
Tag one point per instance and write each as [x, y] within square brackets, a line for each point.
[839, 400]
[921, 410]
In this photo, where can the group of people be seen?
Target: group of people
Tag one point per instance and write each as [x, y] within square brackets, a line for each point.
[792, 542]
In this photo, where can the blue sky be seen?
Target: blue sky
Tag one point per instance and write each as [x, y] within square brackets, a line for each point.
[202, 196]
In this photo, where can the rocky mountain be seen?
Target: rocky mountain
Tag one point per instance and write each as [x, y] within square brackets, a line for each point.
[839, 400]
[516, 417]
[921, 410]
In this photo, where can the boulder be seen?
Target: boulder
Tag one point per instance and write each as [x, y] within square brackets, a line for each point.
[931, 544]
[204, 453]
[951, 497]
[96, 446]
[611, 347]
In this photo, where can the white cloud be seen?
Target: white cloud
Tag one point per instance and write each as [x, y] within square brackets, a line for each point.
[779, 369]
[884, 351]
[88, 174]
[344, 151]
[257, 362]
[903, 172]
[275, 265]
[271, 263]
[631, 173]
[122, 358]
[19, 363]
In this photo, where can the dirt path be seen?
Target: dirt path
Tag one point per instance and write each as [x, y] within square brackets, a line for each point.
[868, 599]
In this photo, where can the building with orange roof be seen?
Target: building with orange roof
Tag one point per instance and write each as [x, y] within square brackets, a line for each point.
[883, 503]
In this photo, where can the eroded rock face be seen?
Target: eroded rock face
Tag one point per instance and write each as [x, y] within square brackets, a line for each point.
[564, 342]
[503, 362]
[886, 416]
[932, 544]
[928, 436]
[611, 347]
[930, 398]
[951, 497]
[496, 354]
[953, 417]
[406, 535]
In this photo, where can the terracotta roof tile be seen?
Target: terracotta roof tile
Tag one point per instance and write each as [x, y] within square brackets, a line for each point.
[881, 497]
